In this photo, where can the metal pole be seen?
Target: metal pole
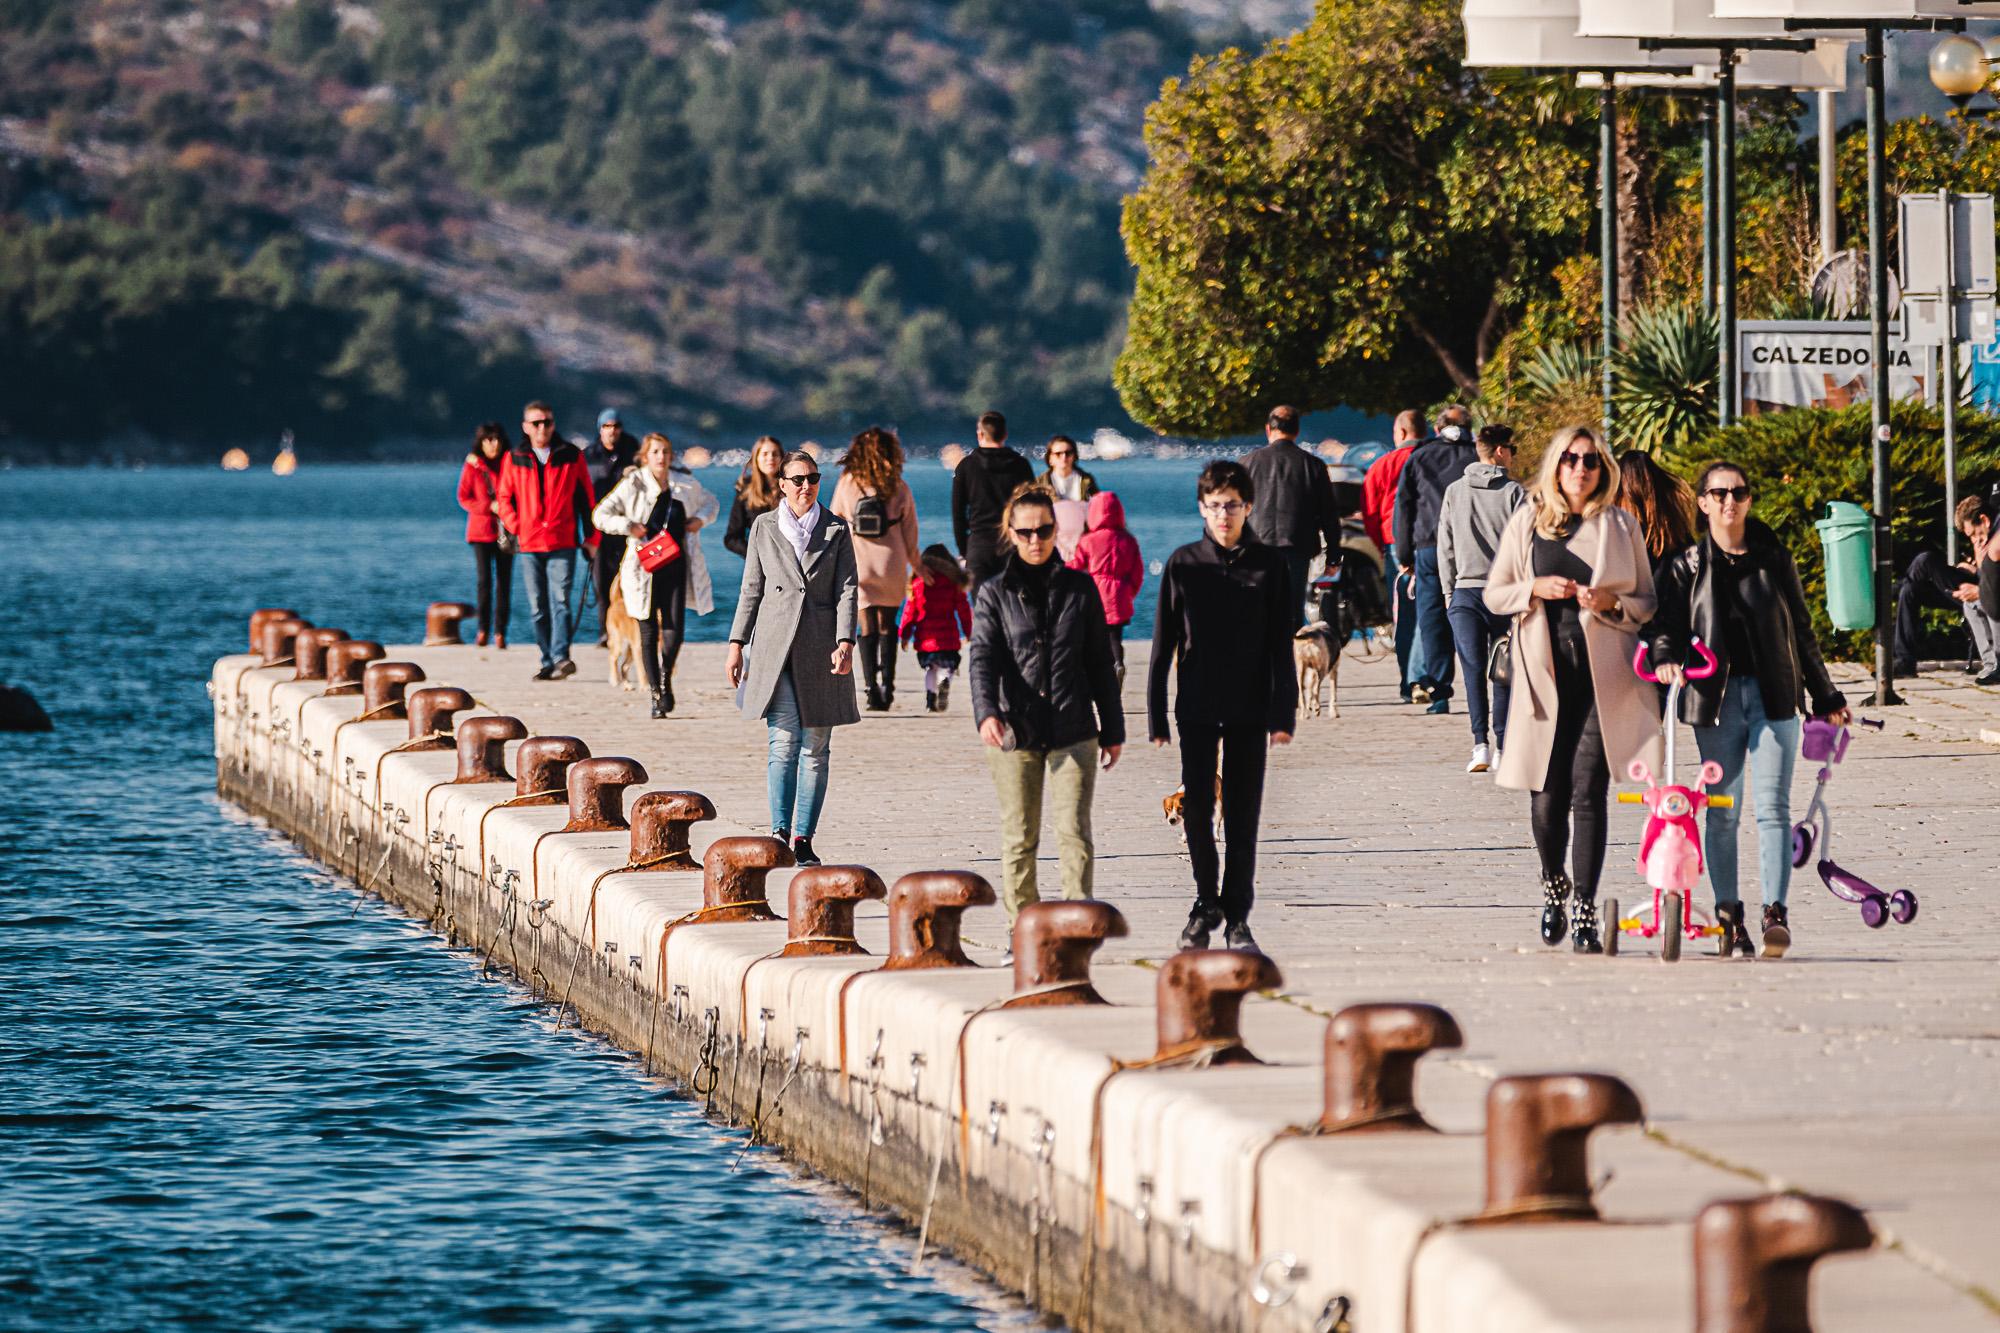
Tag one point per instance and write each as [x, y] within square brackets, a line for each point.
[1829, 177]
[1948, 381]
[1708, 208]
[1878, 357]
[1725, 232]
[1607, 204]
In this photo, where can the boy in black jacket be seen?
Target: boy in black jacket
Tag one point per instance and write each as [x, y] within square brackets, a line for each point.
[1224, 618]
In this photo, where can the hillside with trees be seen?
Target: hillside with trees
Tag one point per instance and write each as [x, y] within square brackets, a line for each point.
[394, 217]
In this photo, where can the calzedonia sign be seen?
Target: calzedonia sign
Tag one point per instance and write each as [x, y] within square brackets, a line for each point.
[1787, 363]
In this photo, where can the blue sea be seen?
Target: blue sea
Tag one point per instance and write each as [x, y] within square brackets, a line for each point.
[233, 1094]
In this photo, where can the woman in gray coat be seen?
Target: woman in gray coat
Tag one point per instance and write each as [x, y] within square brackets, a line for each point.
[795, 617]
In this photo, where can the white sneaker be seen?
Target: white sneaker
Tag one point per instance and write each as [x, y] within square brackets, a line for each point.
[1482, 759]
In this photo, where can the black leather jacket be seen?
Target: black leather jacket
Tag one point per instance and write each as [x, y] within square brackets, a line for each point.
[1790, 673]
[1294, 506]
[1041, 658]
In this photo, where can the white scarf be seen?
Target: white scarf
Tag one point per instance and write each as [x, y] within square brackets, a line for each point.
[798, 529]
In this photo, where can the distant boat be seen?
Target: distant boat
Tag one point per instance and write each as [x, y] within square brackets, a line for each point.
[287, 462]
[236, 460]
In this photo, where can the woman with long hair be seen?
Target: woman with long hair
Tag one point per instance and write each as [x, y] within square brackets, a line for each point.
[1738, 591]
[639, 508]
[756, 491]
[1573, 573]
[1661, 502]
[492, 545]
[882, 515]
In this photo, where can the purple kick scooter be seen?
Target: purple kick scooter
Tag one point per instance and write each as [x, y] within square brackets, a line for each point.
[1826, 744]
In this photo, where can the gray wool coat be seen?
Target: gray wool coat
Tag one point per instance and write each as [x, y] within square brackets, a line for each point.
[792, 616]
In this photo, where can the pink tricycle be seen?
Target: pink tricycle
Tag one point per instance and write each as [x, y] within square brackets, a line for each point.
[1825, 743]
[1670, 857]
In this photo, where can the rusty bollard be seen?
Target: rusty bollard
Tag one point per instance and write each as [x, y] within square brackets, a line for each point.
[821, 909]
[385, 688]
[1753, 1259]
[543, 765]
[1200, 999]
[661, 824]
[442, 619]
[1371, 1065]
[482, 748]
[281, 639]
[1053, 942]
[1537, 1143]
[597, 793]
[264, 616]
[733, 875]
[345, 662]
[310, 649]
[431, 711]
[924, 911]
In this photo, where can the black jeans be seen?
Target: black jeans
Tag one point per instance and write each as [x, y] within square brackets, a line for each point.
[604, 564]
[1244, 748]
[496, 580]
[1579, 776]
[1928, 581]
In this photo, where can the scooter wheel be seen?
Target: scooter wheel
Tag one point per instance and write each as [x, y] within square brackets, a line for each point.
[1609, 929]
[1903, 906]
[1874, 911]
[1670, 928]
[1802, 845]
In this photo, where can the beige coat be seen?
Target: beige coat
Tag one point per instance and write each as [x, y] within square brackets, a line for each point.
[1628, 709]
[883, 565]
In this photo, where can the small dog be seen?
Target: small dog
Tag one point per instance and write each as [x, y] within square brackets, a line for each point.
[1175, 808]
[621, 631]
[1317, 657]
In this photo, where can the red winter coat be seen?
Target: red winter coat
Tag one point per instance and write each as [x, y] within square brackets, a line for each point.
[936, 615]
[1110, 555]
[478, 489]
[543, 504]
[1378, 496]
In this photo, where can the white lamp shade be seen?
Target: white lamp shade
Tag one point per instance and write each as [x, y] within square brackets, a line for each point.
[1853, 9]
[1541, 34]
[1822, 69]
[1667, 18]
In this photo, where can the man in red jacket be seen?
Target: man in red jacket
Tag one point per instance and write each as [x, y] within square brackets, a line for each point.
[1378, 516]
[545, 501]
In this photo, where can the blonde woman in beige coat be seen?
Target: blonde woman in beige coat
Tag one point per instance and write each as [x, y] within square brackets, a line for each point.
[1573, 572]
[882, 514]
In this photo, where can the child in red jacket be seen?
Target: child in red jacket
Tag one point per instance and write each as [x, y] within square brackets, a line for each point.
[1110, 555]
[935, 618]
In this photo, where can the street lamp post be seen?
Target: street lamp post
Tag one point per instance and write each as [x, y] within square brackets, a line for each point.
[1960, 70]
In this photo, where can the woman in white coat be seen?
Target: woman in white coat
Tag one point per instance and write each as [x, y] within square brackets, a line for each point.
[652, 498]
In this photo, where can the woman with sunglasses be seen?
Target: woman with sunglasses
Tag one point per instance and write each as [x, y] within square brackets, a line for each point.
[1738, 591]
[1045, 696]
[795, 626]
[1573, 572]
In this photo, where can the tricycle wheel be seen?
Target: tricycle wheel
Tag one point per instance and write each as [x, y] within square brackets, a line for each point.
[1612, 930]
[1802, 845]
[1903, 906]
[1874, 911]
[1670, 928]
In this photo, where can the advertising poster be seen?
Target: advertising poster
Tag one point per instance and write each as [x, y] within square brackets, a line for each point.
[1785, 363]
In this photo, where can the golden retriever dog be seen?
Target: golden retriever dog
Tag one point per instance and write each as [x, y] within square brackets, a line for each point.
[621, 632]
[1174, 806]
[1317, 657]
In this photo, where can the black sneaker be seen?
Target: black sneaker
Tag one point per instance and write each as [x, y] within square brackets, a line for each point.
[1200, 922]
[1236, 935]
[944, 694]
[930, 701]
[546, 673]
[563, 670]
[1777, 931]
[1990, 678]
[803, 853]
[875, 703]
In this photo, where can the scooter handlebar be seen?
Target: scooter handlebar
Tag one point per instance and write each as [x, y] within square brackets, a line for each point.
[1709, 666]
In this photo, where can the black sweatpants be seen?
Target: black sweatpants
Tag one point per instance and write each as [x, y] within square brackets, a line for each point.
[496, 585]
[604, 564]
[1244, 748]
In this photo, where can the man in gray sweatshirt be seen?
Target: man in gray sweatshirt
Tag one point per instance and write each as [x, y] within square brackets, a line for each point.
[1471, 518]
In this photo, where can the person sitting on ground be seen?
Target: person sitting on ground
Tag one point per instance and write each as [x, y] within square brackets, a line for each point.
[936, 615]
[1474, 513]
[1930, 581]
[1110, 555]
[1224, 622]
[756, 492]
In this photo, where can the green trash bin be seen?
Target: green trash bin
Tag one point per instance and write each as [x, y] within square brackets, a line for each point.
[1847, 541]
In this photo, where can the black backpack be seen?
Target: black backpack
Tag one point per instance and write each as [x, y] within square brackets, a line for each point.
[871, 516]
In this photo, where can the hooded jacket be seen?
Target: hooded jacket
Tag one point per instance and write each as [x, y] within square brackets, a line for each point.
[1110, 555]
[543, 504]
[1434, 465]
[1474, 514]
[980, 485]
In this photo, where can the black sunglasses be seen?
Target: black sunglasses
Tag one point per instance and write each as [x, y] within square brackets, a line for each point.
[1041, 534]
[1721, 493]
[1588, 462]
[540, 421]
[802, 478]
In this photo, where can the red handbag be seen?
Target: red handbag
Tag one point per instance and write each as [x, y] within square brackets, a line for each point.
[658, 553]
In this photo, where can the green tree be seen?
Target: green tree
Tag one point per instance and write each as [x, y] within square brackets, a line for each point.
[303, 29]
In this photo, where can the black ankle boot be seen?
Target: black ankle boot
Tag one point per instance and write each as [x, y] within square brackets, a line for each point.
[1777, 931]
[659, 703]
[888, 670]
[1735, 936]
[1584, 937]
[1555, 892]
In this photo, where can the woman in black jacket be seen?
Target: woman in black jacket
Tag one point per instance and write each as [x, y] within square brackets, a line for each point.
[756, 492]
[1737, 590]
[1045, 696]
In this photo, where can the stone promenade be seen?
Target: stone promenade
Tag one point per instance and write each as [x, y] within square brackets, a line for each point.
[1865, 1065]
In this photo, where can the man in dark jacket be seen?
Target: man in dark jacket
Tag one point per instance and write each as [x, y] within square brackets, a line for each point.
[1297, 515]
[980, 486]
[1224, 618]
[614, 453]
[545, 501]
[1434, 465]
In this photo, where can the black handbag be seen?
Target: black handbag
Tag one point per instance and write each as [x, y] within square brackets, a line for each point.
[1500, 661]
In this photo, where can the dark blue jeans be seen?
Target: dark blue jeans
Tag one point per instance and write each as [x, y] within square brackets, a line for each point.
[1433, 625]
[1409, 653]
[548, 580]
[1473, 630]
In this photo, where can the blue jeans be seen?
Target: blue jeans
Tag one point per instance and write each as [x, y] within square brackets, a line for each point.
[1742, 731]
[795, 773]
[1433, 628]
[548, 600]
[1409, 652]
[1474, 630]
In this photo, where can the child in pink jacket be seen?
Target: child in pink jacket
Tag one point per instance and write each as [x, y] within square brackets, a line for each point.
[935, 617]
[1110, 555]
